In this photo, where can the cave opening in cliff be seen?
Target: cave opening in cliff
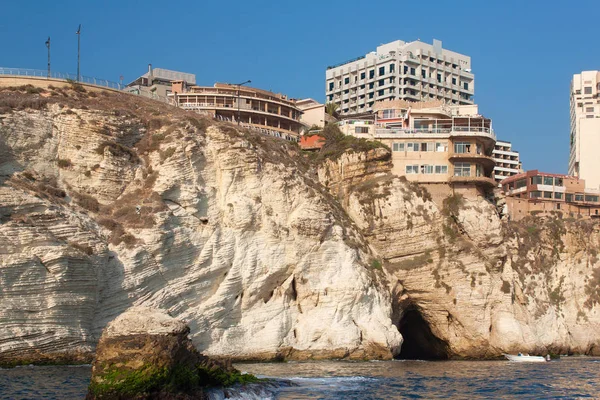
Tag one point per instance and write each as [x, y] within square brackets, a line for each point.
[419, 342]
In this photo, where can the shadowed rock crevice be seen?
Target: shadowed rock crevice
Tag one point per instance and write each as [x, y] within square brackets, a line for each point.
[419, 342]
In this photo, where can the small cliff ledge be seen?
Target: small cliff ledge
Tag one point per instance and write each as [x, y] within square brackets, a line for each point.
[146, 354]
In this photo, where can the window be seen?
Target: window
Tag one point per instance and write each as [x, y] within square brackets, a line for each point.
[362, 75]
[454, 81]
[578, 197]
[389, 113]
[346, 81]
[548, 180]
[381, 82]
[371, 85]
[423, 73]
[412, 169]
[547, 195]
[569, 197]
[535, 194]
[536, 180]
[392, 90]
[398, 147]
[466, 86]
[362, 86]
[392, 68]
[371, 95]
[441, 169]
[381, 71]
[405, 70]
[462, 169]
[440, 147]
[346, 91]
[439, 78]
[558, 181]
[591, 198]
[381, 92]
[427, 169]
[361, 129]
[392, 79]
[462, 147]
[330, 97]
[330, 85]
[371, 74]
[355, 78]
[412, 71]
[427, 146]
[412, 147]
[587, 90]
[589, 109]
[558, 195]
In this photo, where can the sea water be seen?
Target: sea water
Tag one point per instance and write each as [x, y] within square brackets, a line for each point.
[571, 377]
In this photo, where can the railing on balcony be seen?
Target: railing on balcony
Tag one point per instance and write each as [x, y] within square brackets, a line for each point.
[444, 131]
[43, 74]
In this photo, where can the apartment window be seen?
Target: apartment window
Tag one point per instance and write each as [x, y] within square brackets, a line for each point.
[589, 116]
[330, 86]
[362, 86]
[427, 146]
[346, 91]
[466, 86]
[346, 81]
[558, 195]
[392, 90]
[547, 195]
[412, 147]
[462, 169]
[371, 85]
[587, 90]
[462, 147]
[405, 70]
[355, 78]
[589, 109]
[398, 147]
[427, 169]
[535, 194]
[569, 197]
[381, 92]
[412, 169]
[412, 71]
[330, 97]
[389, 114]
[591, 198]
[578, 197]
[340, 84]
[439, 147]
[536, 180]
[392, 79]
[424, 73]
[371, 95]
[371, 74]
[392, 68]
[361, 129]
[454, 81]
[548, 180]
[441, 169]
[558, 181]
[381, 82]
[381, 71]
[439, 78]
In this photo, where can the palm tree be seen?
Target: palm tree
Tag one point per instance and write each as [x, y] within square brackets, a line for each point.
[331, 109]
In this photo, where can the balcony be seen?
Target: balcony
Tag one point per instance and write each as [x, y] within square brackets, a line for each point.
[434, 133]
[486, 161]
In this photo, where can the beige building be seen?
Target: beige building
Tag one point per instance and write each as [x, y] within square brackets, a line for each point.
[414, 71]
[507, 161]
[156, 83]
[313, 113]
[585, 128]
[261, 110]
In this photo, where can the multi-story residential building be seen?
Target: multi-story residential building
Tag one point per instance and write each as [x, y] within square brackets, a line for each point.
[258, 109]
[413, 71]
[585, 127]
[313, 113]
[507, 161]
[433, 143]
[535, 193]
[156, 83]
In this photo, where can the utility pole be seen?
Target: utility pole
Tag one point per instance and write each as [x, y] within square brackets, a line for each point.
[78, 33]
[238, 98]
[48, 46]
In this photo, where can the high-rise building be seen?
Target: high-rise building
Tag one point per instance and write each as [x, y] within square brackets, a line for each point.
[585, 128]
[507, 161]
[412, 71]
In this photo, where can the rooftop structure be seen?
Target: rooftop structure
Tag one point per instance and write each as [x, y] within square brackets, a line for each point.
[585, 127]
[535, 193]
[413, 71]
[507, 161]
[258, 109]
[156, 82]
[313, 113]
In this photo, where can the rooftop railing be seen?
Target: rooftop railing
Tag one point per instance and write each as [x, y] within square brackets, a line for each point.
[489, 132]
[42, 74]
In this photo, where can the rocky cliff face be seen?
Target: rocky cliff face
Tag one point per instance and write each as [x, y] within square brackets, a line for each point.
[109, 201]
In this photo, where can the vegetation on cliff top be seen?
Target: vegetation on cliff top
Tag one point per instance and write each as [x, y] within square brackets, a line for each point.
[336, 144]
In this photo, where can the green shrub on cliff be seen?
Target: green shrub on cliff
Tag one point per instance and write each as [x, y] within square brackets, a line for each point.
[336, 143]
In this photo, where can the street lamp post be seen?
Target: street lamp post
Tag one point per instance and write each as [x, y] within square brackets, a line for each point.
[238, 98]
[48, 46]
[78, 33]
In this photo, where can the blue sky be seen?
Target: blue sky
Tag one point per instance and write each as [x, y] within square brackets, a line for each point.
[523, 52]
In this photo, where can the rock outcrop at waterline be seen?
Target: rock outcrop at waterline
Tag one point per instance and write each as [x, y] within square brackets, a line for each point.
[109, 201]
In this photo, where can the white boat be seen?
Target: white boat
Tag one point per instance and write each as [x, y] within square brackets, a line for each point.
[526, 358]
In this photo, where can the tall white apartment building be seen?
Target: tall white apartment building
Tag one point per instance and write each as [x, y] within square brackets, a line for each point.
[413, 71]
[507, 161]
[585, 128]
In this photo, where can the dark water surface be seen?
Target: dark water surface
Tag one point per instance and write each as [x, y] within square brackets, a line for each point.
[573, 377]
